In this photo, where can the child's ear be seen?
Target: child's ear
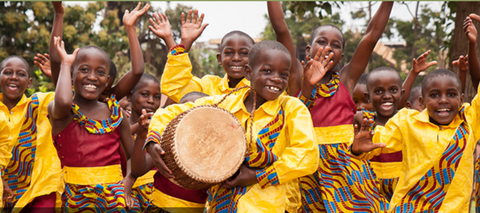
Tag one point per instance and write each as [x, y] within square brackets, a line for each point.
[341, 58]
[219, 59]
[29, 83]
[421, 101]
[247, 72]
[408, 105]
[307, 50]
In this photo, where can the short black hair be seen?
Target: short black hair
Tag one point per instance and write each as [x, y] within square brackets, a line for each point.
[362, 79]
[145, 77]
[315, 32]
[264, 45]
[415, 93]
[437, 73]
[231, 33]
[384, 69]
[96, 48]
[113, 70]
[190, 94]
[2, 65]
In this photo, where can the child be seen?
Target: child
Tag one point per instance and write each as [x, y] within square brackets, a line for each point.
[177, 79]
[437, 146]
[258, 187]
[359, 97]
[145, 96]
[385, 91]
[32, 174]
[173, 198]
[92, 180]
[342, 183]
[130, 79]
[413, 101]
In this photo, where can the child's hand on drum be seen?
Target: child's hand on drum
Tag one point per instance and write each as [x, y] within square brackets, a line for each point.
[155, 152]
[143, 123]
[246, 177]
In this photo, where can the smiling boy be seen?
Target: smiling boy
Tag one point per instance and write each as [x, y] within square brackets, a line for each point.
[437, 146]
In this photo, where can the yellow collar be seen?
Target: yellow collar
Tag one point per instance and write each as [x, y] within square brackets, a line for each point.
[423, 117]
[269, 107]
[223, 86]
[22, 101]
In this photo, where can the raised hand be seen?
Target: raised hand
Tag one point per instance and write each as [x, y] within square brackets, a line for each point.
[161, 26]
[420, 64]
[66, 58]
[315, 69]
[130, 18]
[246, 177]
[362, 142]
[192, 28]
[461, 63]
[58, 7]
[475, 17]
[470, 30]
[43, 62]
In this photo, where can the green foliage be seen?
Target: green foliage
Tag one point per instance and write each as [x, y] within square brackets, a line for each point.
[25, 31]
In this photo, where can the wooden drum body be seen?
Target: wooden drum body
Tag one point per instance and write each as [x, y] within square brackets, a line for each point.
[203, 146]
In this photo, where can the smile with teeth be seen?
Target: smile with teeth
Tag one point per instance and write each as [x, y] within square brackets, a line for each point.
[276, 89]
[90, 86]
[387, 105]
[12, 85]
[236, 67]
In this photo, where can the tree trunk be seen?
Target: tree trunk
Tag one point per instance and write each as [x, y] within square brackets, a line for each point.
[459, 43]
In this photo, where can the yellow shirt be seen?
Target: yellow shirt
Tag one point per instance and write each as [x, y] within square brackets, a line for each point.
[46, 174]
[424, 147]
[386, 170]
[5, 153]
[295, 147]
[177, 80]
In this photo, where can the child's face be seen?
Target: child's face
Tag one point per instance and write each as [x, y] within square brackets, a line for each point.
[90, 74]
[269, 75]
[442, 99]
[385, 91]
[360, 99]
[234, 55]
[327, 37]
[15, 78]
[146, 97]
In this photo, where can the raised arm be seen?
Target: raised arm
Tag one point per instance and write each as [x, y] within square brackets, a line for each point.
[473, 63]
[462, 64]
[275, 13]
[57, 31]
[162, 28]
[314, 70]
[354, 69]
[419, 64]
[130, 79]
[62, 103]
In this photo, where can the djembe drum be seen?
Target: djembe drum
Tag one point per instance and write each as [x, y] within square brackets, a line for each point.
[203, 146]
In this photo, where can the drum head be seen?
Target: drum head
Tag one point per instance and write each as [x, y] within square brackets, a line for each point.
[210, 144]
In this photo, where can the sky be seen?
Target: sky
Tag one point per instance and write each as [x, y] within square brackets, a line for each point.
[249, 16]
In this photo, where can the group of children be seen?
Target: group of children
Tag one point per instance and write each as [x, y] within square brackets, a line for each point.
[323, 139]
